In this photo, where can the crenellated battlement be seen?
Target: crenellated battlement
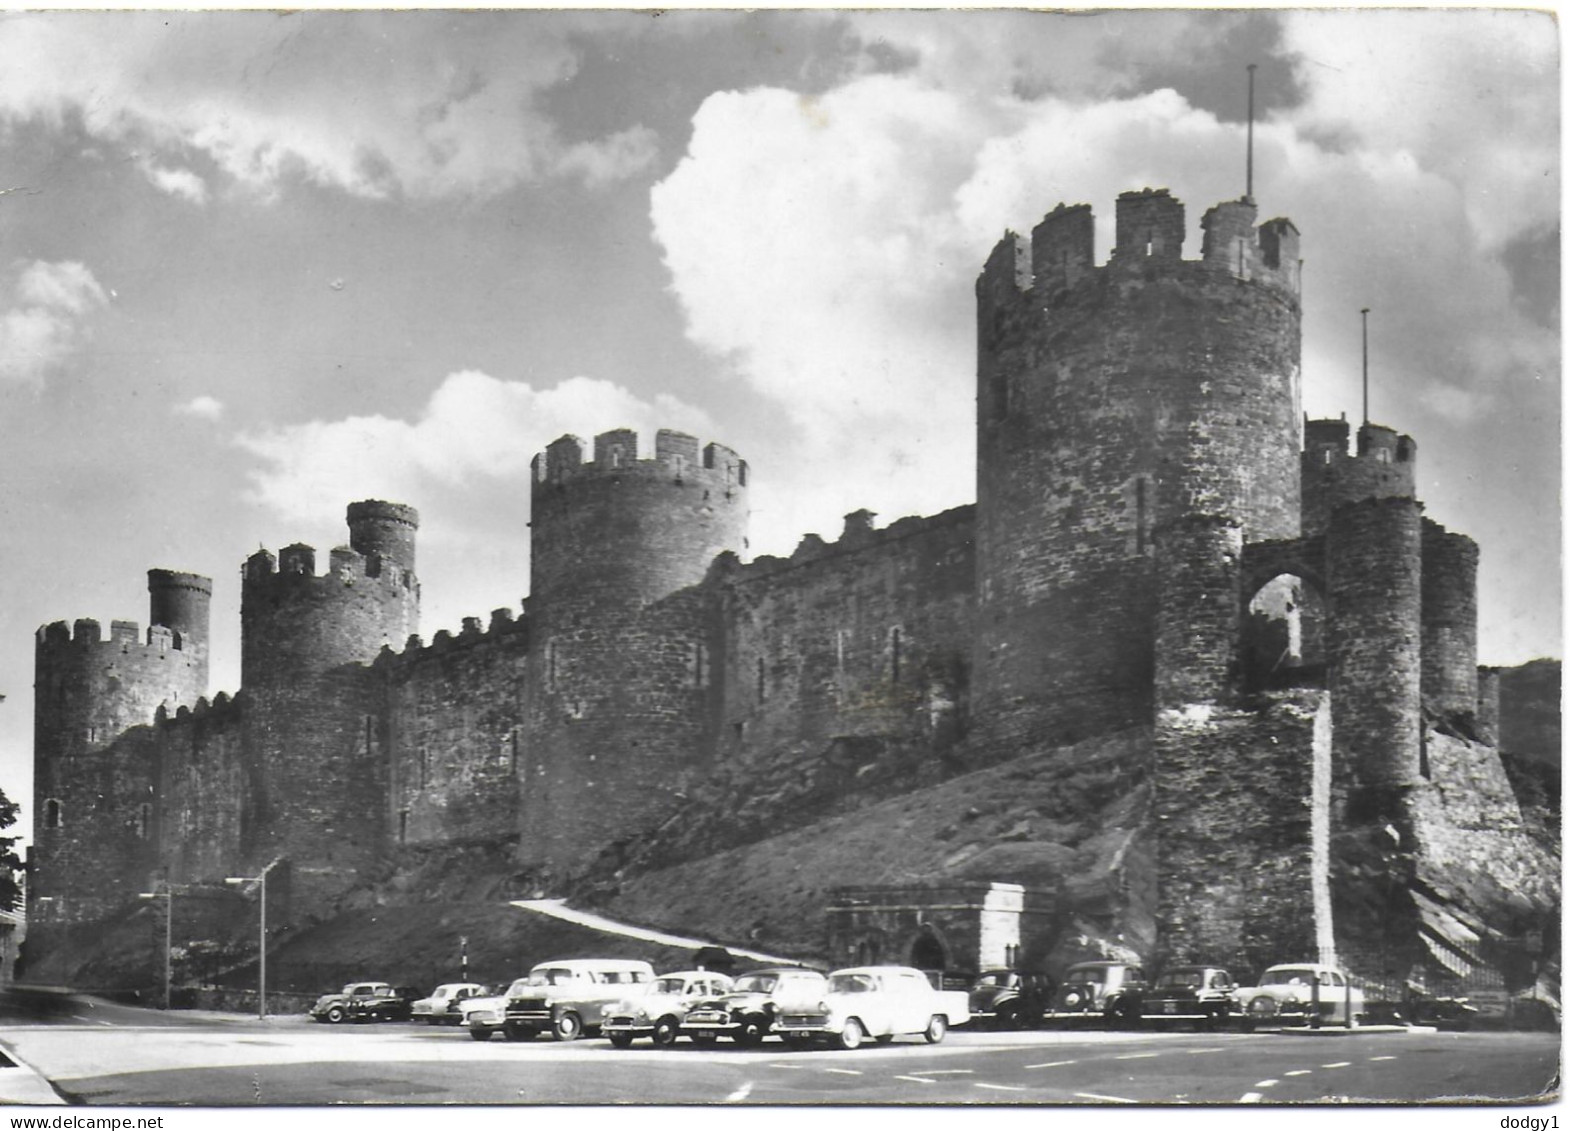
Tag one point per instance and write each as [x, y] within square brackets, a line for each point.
[858, 534]
[296, 564]
[677, 458]
[1150, 228]
[221, 708]
[502, 625]
[124, 635]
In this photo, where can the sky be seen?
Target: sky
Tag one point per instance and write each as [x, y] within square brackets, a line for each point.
[255, 266]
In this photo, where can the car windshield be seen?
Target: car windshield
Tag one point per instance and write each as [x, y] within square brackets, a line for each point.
[669, 985]
[1182, 979]
[1086, 974]
[520, 985]
[757, 983]
[1287, 976]
[852, 984]
[995, 979]
[554, 977]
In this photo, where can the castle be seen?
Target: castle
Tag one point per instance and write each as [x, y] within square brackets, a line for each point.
[1160, 543]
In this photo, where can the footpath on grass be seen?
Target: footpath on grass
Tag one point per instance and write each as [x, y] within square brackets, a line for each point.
[558, 909]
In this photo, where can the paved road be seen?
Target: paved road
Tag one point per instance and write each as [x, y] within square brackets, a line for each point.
[100, 1054]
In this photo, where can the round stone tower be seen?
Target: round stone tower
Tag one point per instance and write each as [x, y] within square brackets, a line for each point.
[93, 815]
[313, 747]
[1112, 401]
[621, 639]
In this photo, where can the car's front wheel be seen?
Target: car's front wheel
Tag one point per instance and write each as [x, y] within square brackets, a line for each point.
[568, 1027]
[936, 1029]
[665, 1031]
[852, 1035]
[336, 1015]
[750, 1034]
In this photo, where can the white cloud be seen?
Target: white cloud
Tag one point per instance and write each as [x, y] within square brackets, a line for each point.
[46, 321]
[1472, 94]
[827, 247]
[176, 182]
[470, 449]
[422, 103]
[202, 407]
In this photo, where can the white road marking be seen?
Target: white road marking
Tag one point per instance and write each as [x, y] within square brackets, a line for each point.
[778, 1065]
[1195, 1052]
[1052, 1064]
[1382, 1058]
[740, 1093]
[1267, 1083]
[951, 1072]
[1337, 1064]
[844, 1071]
[1136, 1056]
[1103, 1099]
[1299, 1072]
[916, 1079]
[1250, 1098]
[1000, 1087]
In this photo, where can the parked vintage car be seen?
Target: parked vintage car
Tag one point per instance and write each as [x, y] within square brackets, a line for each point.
[1011, 999]
[441, 1008]
[746, 1013]
[1204, 995]
[363, 1001]
[568, 998]
[881, 1002]
[660, 1012]
[1105, 989]
[1285, 996]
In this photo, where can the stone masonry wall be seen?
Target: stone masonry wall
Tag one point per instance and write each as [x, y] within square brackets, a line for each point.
[455, 733]
[1449, 621]
[851, 650]
[201, 790]
[1234, 815]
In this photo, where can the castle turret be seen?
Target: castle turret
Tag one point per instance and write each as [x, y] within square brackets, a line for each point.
[93, 807]
[1384, 467]
[1450, 686]
[1111, 400]
[621, 647]
[314, 751]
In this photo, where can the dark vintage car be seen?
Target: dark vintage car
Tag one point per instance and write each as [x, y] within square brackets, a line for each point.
[1203, 995]
[364, 1001]
[746, 1013]
[1108, 990]
[1011, 999]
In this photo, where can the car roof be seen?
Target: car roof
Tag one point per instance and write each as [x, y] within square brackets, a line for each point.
[781, 970]
[695, 974]
[879, 970]
[592, 964]
[1301, 966]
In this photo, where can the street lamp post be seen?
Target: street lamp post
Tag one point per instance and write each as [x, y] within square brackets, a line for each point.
[167, 895]
[261, 951]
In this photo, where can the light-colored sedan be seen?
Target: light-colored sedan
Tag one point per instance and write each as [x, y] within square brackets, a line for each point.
[1286, 995]
[660, 1012]
[441, 1008]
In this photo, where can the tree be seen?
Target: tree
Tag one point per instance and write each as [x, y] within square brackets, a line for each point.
[10, 862]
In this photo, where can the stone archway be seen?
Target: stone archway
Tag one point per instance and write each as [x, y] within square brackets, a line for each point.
[927, 952]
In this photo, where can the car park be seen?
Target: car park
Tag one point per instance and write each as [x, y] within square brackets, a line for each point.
[441, 1007]
[1107, 990]
[660, 1012]
[880, 1002]
[747, 1012]
[1288, 995]
[1011, 999]
[363, 1001]
[1203, 995]
[567, 998]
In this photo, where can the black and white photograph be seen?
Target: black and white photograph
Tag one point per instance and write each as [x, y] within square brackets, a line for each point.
[837, 563]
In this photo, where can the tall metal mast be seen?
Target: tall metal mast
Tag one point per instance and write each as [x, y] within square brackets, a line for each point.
[1248, 191]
